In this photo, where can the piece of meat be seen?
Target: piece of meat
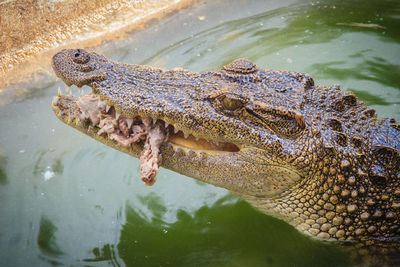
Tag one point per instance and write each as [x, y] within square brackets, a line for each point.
[127, 131]
[139, 131]
[123, 126]
[91, 107]
[108, 125]
[150, 157]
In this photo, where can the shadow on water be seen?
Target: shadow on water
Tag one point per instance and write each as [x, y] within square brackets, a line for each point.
[220, 235]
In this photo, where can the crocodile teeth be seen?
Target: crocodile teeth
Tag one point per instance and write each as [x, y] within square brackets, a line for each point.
[166, 124]
[67, 89]
[129, 122]
[176, 130]
[117, 115]
[59, 92]
[197, 139]
[84, 115]
[154, 121]
[146, 121]
[107, 108]
[55, 101]
[185, 135]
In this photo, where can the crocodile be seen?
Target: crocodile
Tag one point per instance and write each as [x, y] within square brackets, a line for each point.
[314, 156]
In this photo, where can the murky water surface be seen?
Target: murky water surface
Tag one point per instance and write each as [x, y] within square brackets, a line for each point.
[66, 199]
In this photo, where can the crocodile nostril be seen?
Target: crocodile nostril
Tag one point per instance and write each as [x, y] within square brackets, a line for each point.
[78, 53]
[80, 57]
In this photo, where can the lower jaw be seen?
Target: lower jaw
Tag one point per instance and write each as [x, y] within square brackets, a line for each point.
[172, 151]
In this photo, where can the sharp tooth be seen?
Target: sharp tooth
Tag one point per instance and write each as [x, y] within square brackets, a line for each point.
[79, 90]
[154, 121]
[129, 122]
[59, 91]
[55, 101]
[176, 130]
[67, 89]
[117, 115]
[146, 121]
[83, 116]
[197, 139]
[166, 124]
[185, 135]
[107, 108]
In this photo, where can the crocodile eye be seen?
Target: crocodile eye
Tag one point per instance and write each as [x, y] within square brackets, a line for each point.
[232, 103]
[80, 57]
[280, 120]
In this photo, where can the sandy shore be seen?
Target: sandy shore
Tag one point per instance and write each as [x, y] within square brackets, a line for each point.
[30, 31]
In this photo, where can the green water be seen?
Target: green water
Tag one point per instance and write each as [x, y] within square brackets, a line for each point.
[66, 199]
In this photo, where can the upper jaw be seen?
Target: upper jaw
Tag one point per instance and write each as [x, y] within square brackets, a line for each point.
[74, 109]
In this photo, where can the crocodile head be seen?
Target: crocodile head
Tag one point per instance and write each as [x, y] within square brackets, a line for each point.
[300, 152]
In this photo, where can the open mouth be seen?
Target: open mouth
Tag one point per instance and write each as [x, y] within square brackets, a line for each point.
[91, 111]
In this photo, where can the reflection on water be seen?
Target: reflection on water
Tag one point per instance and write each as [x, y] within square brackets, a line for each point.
[3, 175]
[107, 254]
[377, 70]
[68, 200]
[46, 238]
[47, 171]
[220, 235]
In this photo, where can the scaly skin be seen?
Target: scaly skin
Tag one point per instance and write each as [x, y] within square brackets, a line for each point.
[313, 156]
